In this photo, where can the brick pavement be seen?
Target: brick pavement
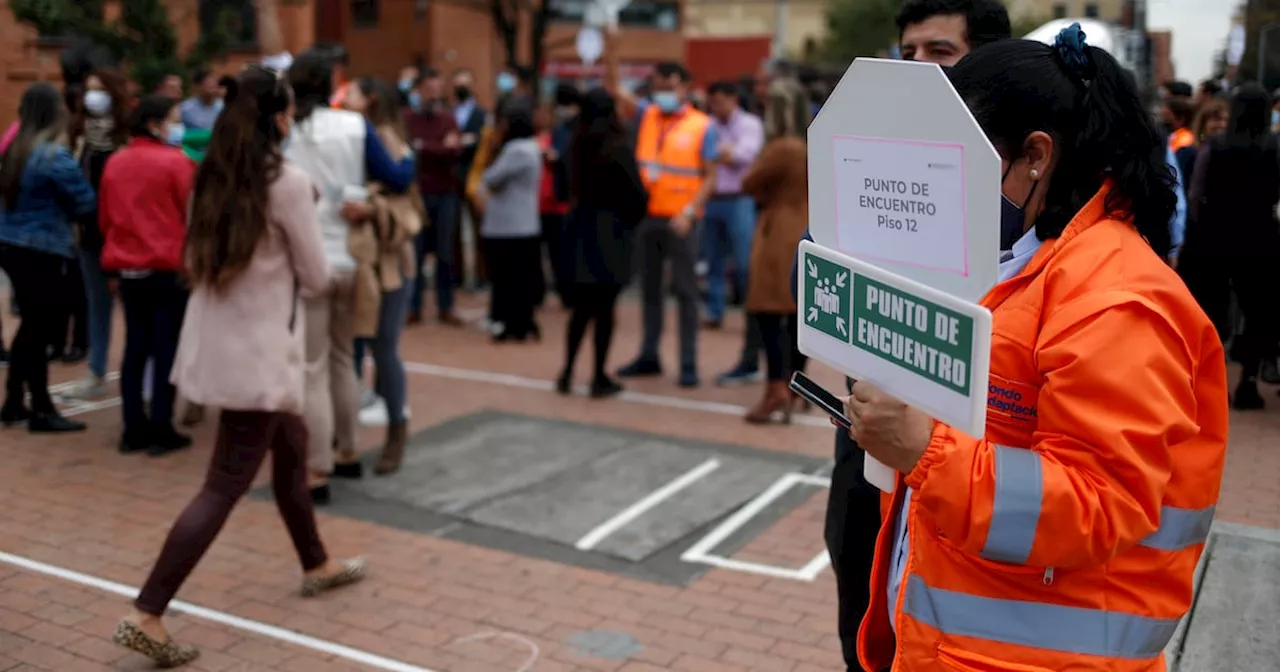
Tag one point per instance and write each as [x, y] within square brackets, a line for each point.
[75, 503]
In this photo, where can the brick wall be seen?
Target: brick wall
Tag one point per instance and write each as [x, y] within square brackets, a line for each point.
[21, 63]
[448, 37]
[23, 60]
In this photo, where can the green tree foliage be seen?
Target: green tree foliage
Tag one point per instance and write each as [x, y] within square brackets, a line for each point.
[858, 28]
[143, 37]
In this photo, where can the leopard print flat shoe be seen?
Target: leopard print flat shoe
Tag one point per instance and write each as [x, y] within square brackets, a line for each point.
[165, 654]
[353, 570]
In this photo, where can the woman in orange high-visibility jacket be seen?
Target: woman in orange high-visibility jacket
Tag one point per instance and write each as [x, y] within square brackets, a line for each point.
[1066, 538]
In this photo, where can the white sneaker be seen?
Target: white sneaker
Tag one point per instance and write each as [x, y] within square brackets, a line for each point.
[376, 415]
[368, 398]
[91, 387]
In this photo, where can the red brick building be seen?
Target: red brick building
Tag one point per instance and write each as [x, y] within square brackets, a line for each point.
[381, 35]
[1162, 69]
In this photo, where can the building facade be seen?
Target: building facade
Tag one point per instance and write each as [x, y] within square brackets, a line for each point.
[805, 21]
[382, 37]
[1105, 10]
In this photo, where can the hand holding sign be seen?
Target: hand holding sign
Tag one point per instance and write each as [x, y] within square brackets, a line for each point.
[889, 430]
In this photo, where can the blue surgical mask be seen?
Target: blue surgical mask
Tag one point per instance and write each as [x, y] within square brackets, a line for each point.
[1275, 117]
[175, 134]
[506, 82]
[1013, 218]
[284, 142]
[415, 101]
[667, 101]
[405, 85]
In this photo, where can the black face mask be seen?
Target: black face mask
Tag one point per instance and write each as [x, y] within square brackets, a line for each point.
[462, 93]
[1013, 218]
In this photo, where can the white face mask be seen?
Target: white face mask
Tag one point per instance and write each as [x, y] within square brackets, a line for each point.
[97, 102]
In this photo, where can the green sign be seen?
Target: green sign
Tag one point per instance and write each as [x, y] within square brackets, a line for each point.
[911, 332]
[826, 297]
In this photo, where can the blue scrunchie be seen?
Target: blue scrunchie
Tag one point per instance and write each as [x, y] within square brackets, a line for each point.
[1070, 46]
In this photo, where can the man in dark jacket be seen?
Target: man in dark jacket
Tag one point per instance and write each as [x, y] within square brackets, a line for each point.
[942, 32]
[433, 132]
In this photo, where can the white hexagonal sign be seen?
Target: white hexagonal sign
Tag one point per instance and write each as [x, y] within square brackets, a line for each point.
[902, 177]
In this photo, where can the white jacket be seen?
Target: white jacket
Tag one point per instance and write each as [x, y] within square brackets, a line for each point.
[329, 147]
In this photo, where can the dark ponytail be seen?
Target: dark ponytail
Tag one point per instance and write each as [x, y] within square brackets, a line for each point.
[1089, 104]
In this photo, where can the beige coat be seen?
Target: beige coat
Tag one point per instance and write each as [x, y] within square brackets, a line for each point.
[383, 247]
[779, 183]
[242, 348]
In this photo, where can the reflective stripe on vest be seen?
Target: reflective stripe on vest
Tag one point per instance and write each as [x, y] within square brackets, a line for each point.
[664, 169]
[1089, 632]
[1018, 499]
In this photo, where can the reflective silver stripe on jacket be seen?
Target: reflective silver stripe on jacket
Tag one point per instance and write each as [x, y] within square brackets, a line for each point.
[1019, 496]
[1015, 511]
[674, 170]
[1090, 632]
[1180, 528]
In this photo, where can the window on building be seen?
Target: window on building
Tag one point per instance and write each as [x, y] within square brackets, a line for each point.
[655, 14]
[1059, 10]
[238, 17]
[364, 13]
[1091, 10]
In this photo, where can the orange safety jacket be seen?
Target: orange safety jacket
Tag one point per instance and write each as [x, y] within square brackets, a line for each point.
[669, 151]
[1181, 139]
[339, 96]
[1067, 537]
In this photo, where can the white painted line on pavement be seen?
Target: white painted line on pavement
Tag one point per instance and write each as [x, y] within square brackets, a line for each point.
[72, 384]
[509, 380]
[629, 514]
[701, 551]
[219, 617]
[90, 406]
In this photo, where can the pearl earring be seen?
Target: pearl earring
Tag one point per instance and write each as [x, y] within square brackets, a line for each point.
[1035, 174]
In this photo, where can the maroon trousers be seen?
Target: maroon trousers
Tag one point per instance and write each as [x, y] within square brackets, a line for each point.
[244, 439]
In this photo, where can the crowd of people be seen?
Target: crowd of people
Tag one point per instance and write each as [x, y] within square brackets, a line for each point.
[267, 232]
[1226, 148]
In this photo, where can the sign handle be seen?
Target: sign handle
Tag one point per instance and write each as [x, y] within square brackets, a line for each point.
[878, 474]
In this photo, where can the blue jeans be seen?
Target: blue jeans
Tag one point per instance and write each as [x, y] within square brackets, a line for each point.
[389, 379]
[440, 237]
[728, 228]
[100, 302]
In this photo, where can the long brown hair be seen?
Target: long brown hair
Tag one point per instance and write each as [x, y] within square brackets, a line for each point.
[42, 119]
[117, 86]
[383, 110]
[229, 206]
[1209, 110]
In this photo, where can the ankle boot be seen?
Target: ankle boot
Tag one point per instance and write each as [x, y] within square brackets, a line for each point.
[393, 451]
[777, 397]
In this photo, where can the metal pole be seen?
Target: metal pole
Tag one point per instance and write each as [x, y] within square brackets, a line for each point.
[780, 15]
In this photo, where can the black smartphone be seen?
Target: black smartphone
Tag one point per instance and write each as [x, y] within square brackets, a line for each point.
[804, 386]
